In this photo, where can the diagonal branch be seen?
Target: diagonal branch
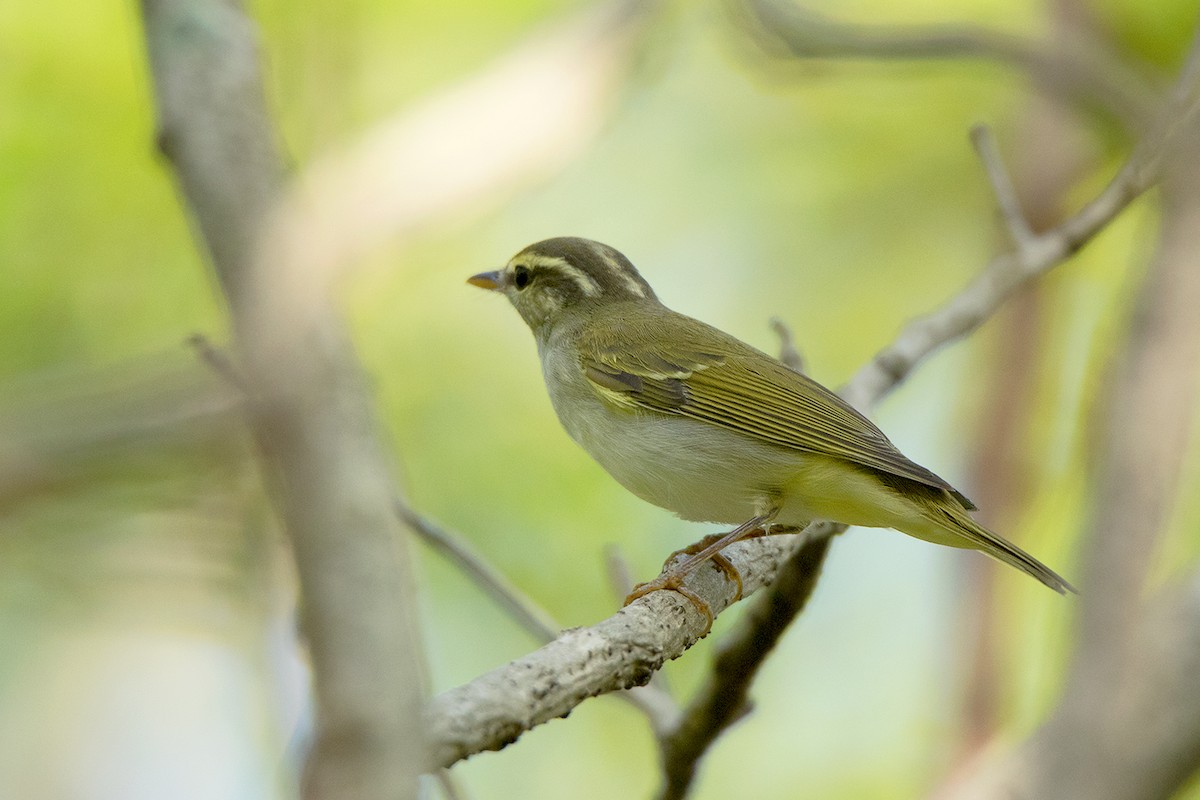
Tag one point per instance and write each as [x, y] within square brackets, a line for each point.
[494, 709]
[658, 706]
[1004, 275]
[528, 614]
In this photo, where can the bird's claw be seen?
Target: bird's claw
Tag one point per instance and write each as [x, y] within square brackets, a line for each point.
[673, 582]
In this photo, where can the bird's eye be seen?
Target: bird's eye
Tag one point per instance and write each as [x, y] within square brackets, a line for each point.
[521, 277]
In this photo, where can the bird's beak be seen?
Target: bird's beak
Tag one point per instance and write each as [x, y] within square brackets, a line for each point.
[488, 280]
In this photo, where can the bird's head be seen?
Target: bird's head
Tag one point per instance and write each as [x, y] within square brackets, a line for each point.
[558, 276]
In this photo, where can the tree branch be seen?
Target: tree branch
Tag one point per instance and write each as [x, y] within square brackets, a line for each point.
[309, 412]
[1078, 72]
[1004, 275]
[622, 651]
[1126, 726]
[524, 611]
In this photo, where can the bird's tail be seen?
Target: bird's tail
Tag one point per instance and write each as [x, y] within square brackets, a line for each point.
[960, 526]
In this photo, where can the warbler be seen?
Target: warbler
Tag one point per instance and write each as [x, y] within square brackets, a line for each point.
[696, 421]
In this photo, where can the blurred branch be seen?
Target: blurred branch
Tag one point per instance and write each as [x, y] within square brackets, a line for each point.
[58, 426]
[1126, 727]
[309, 412]
[1007, 200]
[518, 605]
[620, 576]
[1078, 71]
[219, 361]
[788, 353]
[277, 265]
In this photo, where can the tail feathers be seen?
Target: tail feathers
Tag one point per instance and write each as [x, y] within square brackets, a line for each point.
[980, 538]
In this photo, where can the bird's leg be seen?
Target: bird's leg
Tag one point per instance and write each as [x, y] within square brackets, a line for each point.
[720, 560]
[707, 548]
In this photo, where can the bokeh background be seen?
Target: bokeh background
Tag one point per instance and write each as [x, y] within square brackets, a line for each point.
[147, 635]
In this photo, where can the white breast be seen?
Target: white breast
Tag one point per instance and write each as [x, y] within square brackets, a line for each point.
[697, 470]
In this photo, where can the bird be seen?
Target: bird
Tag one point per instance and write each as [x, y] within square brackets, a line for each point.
[692, 419]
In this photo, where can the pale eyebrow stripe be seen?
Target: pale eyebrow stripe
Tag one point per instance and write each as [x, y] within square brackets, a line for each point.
[586, 283]
[615, 268]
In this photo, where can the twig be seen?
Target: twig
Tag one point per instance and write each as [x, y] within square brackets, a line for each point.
[652, 700]
[1004, 275]
[620, 577]
[788, 353]
[219, 361]
[518, 605]
[1002, 187]
[59, 425]
[450, 788]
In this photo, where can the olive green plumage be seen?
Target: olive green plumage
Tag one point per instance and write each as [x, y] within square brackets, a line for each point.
[698, 422]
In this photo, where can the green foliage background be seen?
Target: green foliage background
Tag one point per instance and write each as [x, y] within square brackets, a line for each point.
[145, 614]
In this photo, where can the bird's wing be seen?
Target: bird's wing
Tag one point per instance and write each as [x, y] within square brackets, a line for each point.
[683, 367]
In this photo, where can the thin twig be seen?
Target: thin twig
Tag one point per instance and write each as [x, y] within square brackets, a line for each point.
[1005, 192]
[653, 700]
[620, 576]
[1004, 275]
[219, 361]
[788, 353]
[450, 788]
[518, 605]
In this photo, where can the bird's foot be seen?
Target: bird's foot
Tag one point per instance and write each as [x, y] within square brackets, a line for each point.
[720, 561]
[707, 548]
[673, 581]
[672, 578]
